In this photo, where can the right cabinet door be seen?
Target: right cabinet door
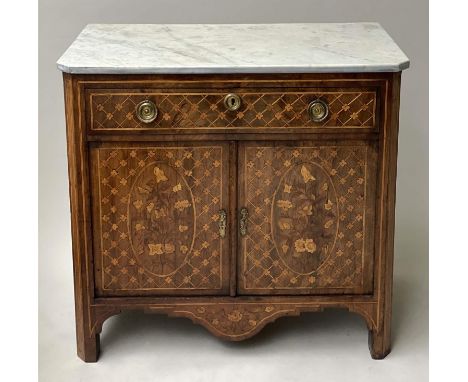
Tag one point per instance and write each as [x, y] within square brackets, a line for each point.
[309, 227]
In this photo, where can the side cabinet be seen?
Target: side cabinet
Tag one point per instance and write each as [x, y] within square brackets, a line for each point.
[232, 200]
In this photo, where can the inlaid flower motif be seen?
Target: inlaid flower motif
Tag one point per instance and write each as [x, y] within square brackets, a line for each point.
[159, 213]
[139, 227]
[177, 187]
[181, 205]
[235, 316]
[328, 205]
[310, 246]
[183, 228]
[155, 249]
[285, 224]
[169, 248]
[307, 245]
[138, 204]
[183, 249]
[284, 204]
[299, 245]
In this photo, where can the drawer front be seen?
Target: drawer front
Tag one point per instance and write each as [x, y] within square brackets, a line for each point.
[117, 111]
[310, 222]
[156, 211]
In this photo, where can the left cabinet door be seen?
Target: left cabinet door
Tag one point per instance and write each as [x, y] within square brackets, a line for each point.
[156, 218]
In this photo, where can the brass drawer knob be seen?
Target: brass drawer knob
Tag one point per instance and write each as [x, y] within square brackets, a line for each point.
[318, 110]
[146, 111]
[232, 102]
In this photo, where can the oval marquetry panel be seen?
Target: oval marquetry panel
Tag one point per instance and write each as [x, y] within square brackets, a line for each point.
[304, 217]
[161, 219]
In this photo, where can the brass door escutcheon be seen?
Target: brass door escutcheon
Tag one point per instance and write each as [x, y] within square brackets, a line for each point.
[146, 111]
[222, 223]
[244, 214]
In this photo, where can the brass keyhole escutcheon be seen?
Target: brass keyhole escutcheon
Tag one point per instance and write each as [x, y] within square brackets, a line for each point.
[146, 111]
[244, 215]
[232, 102]
[222, 223]
[318, 110]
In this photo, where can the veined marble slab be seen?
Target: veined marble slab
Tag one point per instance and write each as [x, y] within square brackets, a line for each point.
[233, 48]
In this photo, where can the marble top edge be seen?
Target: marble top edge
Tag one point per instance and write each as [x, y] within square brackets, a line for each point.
[211, 48]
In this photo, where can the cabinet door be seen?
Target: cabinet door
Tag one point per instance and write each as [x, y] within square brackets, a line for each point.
[156, 218]
[310, 222]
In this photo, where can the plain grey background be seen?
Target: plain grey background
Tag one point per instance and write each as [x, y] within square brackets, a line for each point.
[329, 346]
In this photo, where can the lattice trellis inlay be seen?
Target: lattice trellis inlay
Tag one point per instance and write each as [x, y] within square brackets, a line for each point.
[159, 217]
[307, 208]
[207, 110]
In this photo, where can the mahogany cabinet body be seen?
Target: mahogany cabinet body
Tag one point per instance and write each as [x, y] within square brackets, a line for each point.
[148, 199]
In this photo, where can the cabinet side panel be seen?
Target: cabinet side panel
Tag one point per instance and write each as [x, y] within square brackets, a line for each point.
[87, 342]
[381, 336]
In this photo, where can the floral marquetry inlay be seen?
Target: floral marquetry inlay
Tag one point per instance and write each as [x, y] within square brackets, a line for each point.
[236, 321]
[307, 217]
[158, 215]
[161, 215]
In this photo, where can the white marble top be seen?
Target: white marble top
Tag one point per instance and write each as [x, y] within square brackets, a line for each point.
[233, 48]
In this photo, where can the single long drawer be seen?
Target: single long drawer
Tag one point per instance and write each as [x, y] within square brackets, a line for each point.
[119, 109]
